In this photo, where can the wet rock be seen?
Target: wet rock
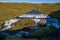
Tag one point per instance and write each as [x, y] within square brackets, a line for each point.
[2, 37]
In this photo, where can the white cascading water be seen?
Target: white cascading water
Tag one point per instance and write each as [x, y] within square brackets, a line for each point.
[8, 23]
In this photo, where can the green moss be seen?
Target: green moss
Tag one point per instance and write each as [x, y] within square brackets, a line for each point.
[43, 31]
[17, 38]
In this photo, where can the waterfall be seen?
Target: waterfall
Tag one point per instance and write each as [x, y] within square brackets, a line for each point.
[8, 23]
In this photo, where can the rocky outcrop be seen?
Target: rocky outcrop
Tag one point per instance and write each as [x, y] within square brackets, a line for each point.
[26, 23]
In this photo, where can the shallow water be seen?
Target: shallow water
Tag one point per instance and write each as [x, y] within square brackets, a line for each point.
[50, 22]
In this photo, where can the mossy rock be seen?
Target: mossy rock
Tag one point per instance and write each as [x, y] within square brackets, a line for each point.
[26, 23]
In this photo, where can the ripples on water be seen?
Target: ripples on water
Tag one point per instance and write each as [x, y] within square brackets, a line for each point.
[53, 22]
[50, 22]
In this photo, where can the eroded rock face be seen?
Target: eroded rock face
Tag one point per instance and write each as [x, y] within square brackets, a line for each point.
[23, 24]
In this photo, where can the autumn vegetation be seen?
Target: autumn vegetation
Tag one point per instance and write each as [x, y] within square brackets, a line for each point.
[26, 23]
[12, 10]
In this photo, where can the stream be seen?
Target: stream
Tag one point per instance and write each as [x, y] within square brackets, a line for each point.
[50, 22]
[26, 31]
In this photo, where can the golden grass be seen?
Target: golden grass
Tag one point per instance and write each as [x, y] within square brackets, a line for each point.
[12, 10]
[23, 24]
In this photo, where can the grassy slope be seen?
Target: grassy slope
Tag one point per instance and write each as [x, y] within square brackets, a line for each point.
[23, 24]
[11, 10]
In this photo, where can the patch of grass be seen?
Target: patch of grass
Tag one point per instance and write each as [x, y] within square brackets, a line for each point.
[18, 38]
[12, 10]
[26, 23]
[55, 14]
[43, 32]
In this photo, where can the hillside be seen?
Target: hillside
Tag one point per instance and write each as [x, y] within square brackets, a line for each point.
[11, 10]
